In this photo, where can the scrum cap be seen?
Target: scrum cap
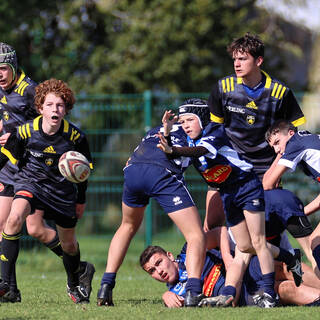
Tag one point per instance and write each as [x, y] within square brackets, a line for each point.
[196, 107]
[8, 56]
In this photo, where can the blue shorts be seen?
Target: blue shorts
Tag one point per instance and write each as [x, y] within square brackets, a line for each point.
[246, 195]
[144, 181]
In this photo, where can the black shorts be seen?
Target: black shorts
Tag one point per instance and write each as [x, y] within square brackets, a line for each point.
[6, 190]
[299, 227]
[59, 219]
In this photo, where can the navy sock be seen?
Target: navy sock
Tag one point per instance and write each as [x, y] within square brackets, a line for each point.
[194, 285]
[229, 290]
[286, 257]
[268, 283]
[316, 255]
[109, 278]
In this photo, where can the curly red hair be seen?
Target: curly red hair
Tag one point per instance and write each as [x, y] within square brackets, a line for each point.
[58, 88]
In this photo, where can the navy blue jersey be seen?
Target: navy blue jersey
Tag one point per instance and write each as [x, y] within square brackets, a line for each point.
[147, 151]
[247, 118]
[221, 166]
[303, 149]
[37, 155]
[16, 107]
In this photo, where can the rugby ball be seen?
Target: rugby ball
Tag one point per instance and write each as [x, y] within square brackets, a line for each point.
[74, 166]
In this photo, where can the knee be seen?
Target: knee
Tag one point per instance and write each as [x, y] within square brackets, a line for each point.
[245, 247]
[258, 243]
[15, 222]
[70, 247]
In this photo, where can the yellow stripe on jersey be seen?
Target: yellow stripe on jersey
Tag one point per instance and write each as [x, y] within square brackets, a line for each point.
[278, 90]
[65, 126]
[21, 88]
[224, 85]
[274, 89]
[28, 130]
[36, 123]
[23, 75]
[8, 154]
[91, 165]
[232, 83]
[214, 118]
[23, 129]
[299, 121]
[282, 92]
[268, 80]
[227, 84]
[74, 135]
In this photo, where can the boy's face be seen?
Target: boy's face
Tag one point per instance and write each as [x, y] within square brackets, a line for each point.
[6, 76]
[245, 64]
[162, 267]
[191, 125]
[278, 141]
[53, 110]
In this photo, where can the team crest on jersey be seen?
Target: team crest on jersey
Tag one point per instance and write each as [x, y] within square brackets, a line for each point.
[1, 187]
[4, 100]
[251, 119]
[218, 173]
[48, 162]
[6, 115]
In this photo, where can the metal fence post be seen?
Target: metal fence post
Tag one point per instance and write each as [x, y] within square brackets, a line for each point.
[147, 97]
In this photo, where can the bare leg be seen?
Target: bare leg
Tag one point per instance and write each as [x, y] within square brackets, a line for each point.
[214, 210]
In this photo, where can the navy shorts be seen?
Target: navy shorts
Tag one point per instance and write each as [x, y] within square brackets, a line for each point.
[246, 195]
[144, 181]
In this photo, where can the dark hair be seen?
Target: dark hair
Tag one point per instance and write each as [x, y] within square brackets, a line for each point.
[149, 252]
[248, 43]
[197, 107]
[283, 126]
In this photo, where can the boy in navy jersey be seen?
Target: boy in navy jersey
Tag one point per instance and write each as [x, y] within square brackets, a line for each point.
[149, 173]
[248, 103]
[162, 266]
[295, 148]
[36, 147]
[17, 106]
[241, 191]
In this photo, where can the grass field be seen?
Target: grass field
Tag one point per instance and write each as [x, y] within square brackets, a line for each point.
[42, 282]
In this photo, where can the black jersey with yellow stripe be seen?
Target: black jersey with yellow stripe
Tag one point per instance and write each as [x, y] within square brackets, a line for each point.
[37, 155]
[246, 119]
[17, 103]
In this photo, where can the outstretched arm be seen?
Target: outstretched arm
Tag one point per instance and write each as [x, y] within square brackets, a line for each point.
[273, 175]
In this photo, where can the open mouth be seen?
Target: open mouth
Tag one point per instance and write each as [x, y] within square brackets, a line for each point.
[54, 118]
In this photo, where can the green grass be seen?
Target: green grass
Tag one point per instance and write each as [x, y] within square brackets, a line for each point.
[42, 282]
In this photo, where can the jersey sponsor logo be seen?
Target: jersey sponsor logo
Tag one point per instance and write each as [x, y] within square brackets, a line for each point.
[252, 105]
[218, 173]
[251, 119]
[49, 149]
[211, 280]
[6, 115]
[4, 100]
[3, 258]
[256, 202]
[177, 200]
[36, 154]
[48, 162]
[25, 193]
[1, 187]
[236, 109]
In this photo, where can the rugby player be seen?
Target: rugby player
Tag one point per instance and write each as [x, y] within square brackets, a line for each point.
[36, 147]
[295, 148]
[248, 103]
[149, 173]
[241, 190]
[16, 102]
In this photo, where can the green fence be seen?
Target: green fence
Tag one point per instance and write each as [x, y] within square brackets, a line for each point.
[114, 125]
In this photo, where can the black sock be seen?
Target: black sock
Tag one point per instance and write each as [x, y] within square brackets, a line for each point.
[72, 267]
[286, 257]
[55, 246]
[9, 255]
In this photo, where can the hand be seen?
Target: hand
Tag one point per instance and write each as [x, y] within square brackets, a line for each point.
[168, 120]
[171, 300]
[4, 138]
[163, 145]
[80, 210]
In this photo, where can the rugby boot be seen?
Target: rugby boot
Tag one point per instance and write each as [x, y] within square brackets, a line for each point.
[78, 294]
[295, 268]
[85, 278]
[12, 296]
[264, 300]
[4, 288]
[191, 300]
[218, 301]
[104, 296]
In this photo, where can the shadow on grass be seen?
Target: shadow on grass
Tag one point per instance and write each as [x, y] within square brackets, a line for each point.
[141, 301]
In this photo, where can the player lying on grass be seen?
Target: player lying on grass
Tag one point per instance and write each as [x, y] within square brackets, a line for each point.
[17, 106]
[162, 266]
[240, 189]
[149, 173]
[36, 147]
[295, 148]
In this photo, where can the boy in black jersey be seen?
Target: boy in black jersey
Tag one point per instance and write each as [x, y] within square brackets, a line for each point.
[248, 103]
[17, 106]
[36, 147]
